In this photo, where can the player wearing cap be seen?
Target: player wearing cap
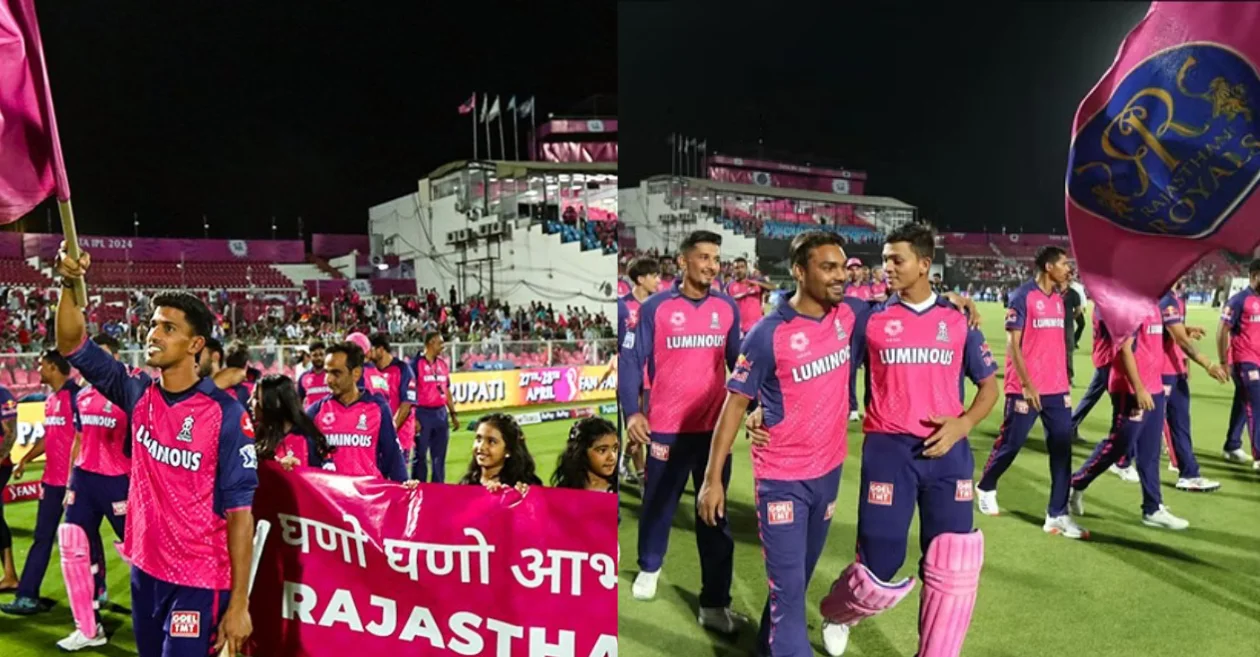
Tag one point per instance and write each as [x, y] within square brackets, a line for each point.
[371, 382]
[435, 410]
[358, 424]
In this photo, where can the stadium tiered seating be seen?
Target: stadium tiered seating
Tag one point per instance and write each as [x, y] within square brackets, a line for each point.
[14, 271]
[192, 275]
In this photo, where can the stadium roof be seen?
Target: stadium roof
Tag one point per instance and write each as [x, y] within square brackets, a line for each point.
[511, 169]
[798, 194]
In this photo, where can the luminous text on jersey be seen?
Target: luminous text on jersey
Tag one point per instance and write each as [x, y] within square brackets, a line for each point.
[1049, 322]
[349, 439]
[172, 456]
[98, 421]
[695, 341]
[916, 356]
[821, 366]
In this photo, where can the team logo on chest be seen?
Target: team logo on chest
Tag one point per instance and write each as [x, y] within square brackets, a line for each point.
[716, 323]
[942, 331]
[185, 432]
[840, 334]
[1041, 306]
[362, 425]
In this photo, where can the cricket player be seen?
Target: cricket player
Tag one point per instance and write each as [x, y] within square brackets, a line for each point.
[747, 292]
[435, 410]
[189, 528]
[1238, 342]
[61, 426]
[1138, 401]
[8, 437]
[795, 362]
[1037, 386]
[358, 424]
[1178, 347]
[646, 274]
[311, 385]
[918, 349]
[688, 337]
[400, 381]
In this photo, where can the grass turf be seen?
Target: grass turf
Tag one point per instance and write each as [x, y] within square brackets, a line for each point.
[1130, 590]
[30, 636]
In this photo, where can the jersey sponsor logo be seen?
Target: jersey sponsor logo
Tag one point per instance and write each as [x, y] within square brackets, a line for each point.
[743, 367]
[69, 498]
[1048, 322]
[1021, 407]
[249, 458]
[831, 511]
[1253, 375]
[55, 421]
[963, 490]
[120, 508]
[98, 421]
[628, 341]
[1167, 390]
[1154, 329]
[1011, 316]
[880, 494]
[185, 624]
[695, 341]
[799, 342]
[1041, 306]
[779, 513]
[185, 431]
[660, 451]
[916, 356]
[1067, 401]
[678, 319]
[349, 439]
[1136, 415]
[821, 366]
[893, 328]
[247, 426]
[173, 456]
[1228, 313]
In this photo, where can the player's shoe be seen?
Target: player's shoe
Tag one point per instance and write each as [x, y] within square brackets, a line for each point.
[23, 606]
[644, 587]
[854, 416]
[1172, 467]
[1236, 456]
[1198, 485]
[721, 620]
[1076, 502]
[1128, 474]
[835, 638]
[1064, 526]
[986, 501]
[77, 641]
[1163, 518]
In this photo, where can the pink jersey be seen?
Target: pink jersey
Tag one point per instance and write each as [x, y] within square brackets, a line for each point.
[797, 368]
[373, 382]
[879, 290]
[747, 296]
[623, 287]
[103, 427]
[61, 422]
[628, 309]
[916, 363]
[687, 345]
[294, 445]
[1148, 351]
[433, 382]
[402, 390]
[192, 462]
[860, 291]
[1104, 350]
[313, 386]
[1040, 316]
[1172, 310]
[1242, 314]
[363, 433]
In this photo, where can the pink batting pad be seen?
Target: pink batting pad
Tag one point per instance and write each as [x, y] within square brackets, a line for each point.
[858, 594]
[951, 575]
[76, 566]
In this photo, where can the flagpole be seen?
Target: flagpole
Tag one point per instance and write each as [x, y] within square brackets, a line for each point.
[502, 147]
[474, 124]
[72, 248]
[485, 115]
[533, 130]
[516, 141]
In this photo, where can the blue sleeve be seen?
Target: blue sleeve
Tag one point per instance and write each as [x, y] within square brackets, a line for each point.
[312, 458]
[74, 410]
[732, 338]
[389, 456]
[237, 476]
[623, 317]
[635, 350]
[1017, 311]
[109, 376]
[301, 389]
[1170, 310]
[857, 342]
[978, 359]
[406, 387]
[8, 406]
[1231, 314]
[755, 362]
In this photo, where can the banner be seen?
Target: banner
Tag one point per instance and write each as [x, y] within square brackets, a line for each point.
[568, 151]
[11, 245]
[30, 428]
[361, 566]
[479, 391]
[787, 181]
[576, 126]
[770, 165]
[161, 249]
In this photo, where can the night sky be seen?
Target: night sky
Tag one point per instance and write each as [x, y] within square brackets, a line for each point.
[965, 113]
[245, 110]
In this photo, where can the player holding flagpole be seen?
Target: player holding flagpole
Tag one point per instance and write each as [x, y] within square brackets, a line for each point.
[193, 473]
[795, 362]
[918, 349]
[688, 337]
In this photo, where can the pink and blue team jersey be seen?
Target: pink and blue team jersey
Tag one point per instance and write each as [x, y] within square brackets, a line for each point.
[628, 309]
[916, 361]
[859, 291]
[8, 411]
[1172, 310]
[797, 368]
[192, 462]
[401, 390]
[103, 427]
[373, 382]
[687, 346]
[1242, 314]
[1104, 349]
[313, 386]
[363, 433]
[1041, 318]
[1148, 351]
[624, 286]
[879, 290]
[433, 382]
[61, 423]
[747, 296]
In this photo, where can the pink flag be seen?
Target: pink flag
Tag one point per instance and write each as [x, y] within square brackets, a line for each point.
[469, 105]
[1165, 155]
[31, 167]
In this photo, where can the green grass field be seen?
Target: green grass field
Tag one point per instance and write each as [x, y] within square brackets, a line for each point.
[1130, 590]
[37, 635]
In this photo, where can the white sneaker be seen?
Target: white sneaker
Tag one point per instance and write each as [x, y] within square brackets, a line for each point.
[854, 416]
[77, 641]
[1236, 456]
[835, 638]
[721, 619]
[1076, 502]
[1198, 485]
[1064, 526]
[1162, 518]
[986, 500]
[1128, 474]
[644, 587]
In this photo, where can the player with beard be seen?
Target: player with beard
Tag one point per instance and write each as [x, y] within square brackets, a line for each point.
[435, 410]
[358, 424]
[400, 391]
[312, 386]
[747, 291]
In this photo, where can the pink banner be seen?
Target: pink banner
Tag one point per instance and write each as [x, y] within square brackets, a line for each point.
[155, 249]
[787, 180]
[970, 239]
[603, 151]
[576, 126]
[399, 286]
[769, 165]
[10, 245]
[330, 245]
[361, 566]
[1002, 239]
